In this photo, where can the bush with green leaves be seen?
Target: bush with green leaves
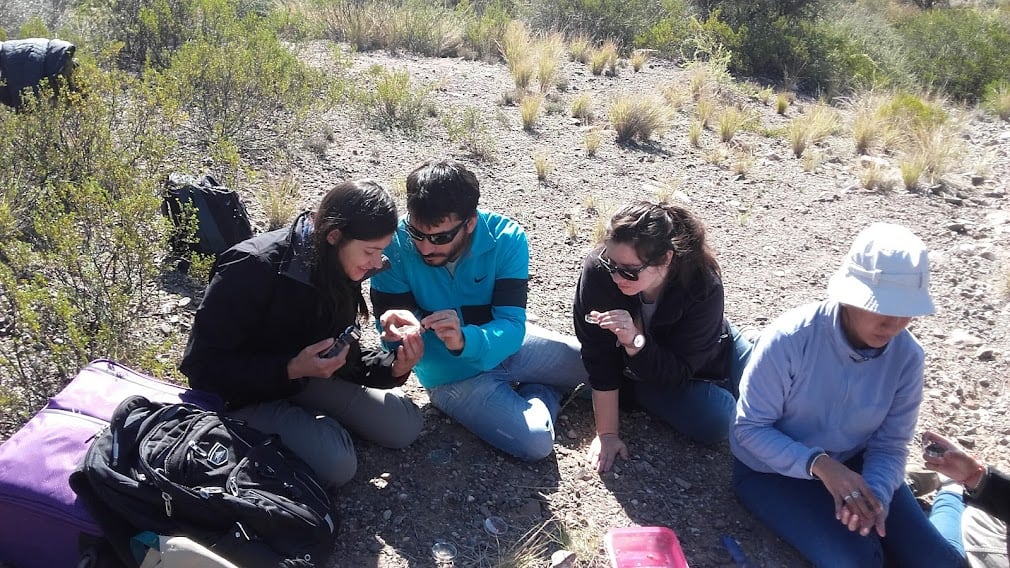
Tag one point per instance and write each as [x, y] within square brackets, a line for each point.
[483, 28]
[387, 101]
[243, 83]
[110, 131]
[412, 25]
[151, 30]
[671, 34]
[79, 287]
[617, 20]
[959, 50]
[470, 130]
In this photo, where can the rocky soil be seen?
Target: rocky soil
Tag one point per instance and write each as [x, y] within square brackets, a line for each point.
[779, 230]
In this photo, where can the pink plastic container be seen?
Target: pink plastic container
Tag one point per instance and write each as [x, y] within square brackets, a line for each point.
[644, 547]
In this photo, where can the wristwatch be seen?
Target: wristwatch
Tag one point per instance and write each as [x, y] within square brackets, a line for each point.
[638, 342]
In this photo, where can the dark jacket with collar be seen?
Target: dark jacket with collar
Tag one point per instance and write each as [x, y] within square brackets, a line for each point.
[25, 62]
[258, 312]
[994, 497]
[688, 336]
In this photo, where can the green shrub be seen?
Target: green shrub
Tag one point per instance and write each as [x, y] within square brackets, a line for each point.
[905, 111]
[387, 100]
[670, 33]
[109, 132]
[997, 99]
[242, 82]
[410, 25]
[483, 29]
[957, 51]
[79, 287]
[472, 133]
[619, 20]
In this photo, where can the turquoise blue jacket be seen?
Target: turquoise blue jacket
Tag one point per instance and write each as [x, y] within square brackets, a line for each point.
[488, 291]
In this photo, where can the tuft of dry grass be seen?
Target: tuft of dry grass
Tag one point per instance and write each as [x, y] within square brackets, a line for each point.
[604, 59]
[812, 127]
[997, 99]
[812, 160]
[911, 172]
[542, 164]
[638, 59]
[522, 74]
[639, 117]
[580, 46]
[731, 120]
[743, 160]
[582, 108]
[547, 52]
[529, 111]
[279, 199]
[705, 108]
[782, 102]
[874, 176]
[592, 141]
[694, 133]
[515, 43]
[571, 229]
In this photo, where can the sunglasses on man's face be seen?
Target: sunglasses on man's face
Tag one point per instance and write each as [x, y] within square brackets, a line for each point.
[629, 273]
[435, 238]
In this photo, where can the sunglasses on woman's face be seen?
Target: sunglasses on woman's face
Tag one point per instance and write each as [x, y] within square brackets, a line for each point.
[435, 238]
[629, 273]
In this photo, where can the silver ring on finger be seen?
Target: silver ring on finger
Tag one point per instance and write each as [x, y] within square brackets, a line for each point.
[847, 498]
[856, 494]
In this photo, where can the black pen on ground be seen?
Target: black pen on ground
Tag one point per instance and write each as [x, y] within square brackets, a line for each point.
[735, 551]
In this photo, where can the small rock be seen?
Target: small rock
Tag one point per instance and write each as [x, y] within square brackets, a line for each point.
[387, 514]
[961, 337]
[977, 180]
[571, 434]
[954, 200]
[563, 559]
[985, 354]
[988, 255]
[529, 508]
[683, 483]
[966, 442]
[956, 226]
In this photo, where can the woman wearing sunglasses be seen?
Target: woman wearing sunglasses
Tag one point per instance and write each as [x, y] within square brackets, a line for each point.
[649, 313]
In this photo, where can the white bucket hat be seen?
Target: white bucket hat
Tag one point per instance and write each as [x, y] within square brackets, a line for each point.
[885, 272]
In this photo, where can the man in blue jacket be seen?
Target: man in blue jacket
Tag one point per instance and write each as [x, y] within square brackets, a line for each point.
[459, 277]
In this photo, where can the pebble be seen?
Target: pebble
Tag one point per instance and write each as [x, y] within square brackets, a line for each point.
[985, 354]
[961, 337]
[563, 559]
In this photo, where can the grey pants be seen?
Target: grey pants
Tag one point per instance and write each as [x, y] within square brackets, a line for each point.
[985, 539]
[315, 422]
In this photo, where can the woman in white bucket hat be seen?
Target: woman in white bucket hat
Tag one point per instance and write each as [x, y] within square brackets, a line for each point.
[828, 405]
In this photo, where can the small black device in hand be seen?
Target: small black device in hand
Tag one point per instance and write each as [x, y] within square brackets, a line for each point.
[349, 336]
[935, 450]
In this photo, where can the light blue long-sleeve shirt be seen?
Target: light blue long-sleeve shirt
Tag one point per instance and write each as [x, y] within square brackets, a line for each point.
[487, 289]
[807, 390]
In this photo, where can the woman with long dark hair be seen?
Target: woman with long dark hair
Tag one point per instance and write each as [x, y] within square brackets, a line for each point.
[649, 313]
[266, 335]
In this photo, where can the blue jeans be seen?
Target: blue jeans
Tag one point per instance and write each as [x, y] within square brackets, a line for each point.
[514, 405]
[701, 410]
[802, 513]
[948, 507]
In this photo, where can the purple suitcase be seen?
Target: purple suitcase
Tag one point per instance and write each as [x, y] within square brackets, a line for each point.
[40, 516]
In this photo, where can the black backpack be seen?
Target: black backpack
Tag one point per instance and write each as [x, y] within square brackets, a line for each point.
[179, 469]
[221, 217]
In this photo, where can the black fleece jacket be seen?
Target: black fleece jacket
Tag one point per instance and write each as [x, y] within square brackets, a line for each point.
[994, 498]
[688, 336]
[259, 311]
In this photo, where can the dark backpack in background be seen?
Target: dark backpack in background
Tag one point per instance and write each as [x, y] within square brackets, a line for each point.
[220, 216]
[176, 469]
